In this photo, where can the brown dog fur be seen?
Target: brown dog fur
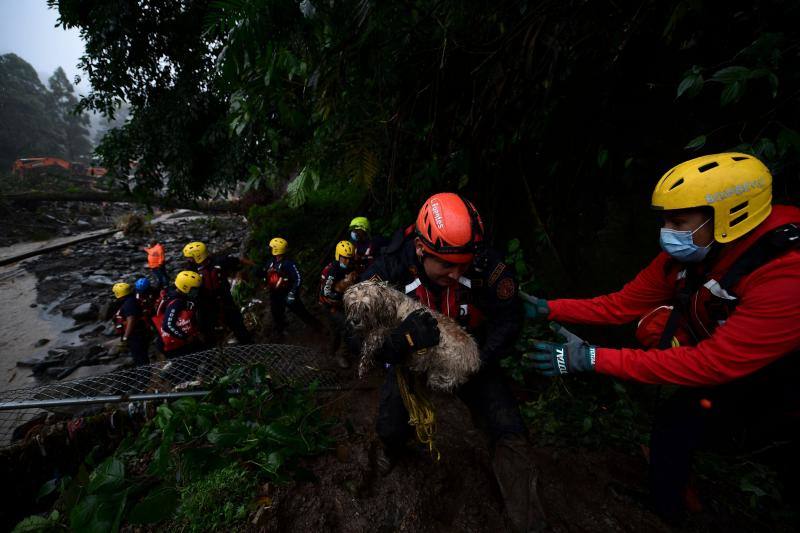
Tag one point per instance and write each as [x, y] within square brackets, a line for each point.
[374, 309]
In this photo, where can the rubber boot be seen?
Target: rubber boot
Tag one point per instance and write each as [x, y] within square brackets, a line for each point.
[517, 477]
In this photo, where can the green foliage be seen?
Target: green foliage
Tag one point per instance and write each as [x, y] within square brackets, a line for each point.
[311, 229]
[40, 524]
[218, 500]
[582, 411]
[196, 461]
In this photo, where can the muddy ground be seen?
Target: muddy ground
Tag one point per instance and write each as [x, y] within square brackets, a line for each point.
[581, 489]
[36, 221]
[73, 288]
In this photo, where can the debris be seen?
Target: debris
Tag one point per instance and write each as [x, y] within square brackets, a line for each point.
[84, 312]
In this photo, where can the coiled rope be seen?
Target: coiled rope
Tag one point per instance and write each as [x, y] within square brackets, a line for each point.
[421, 413]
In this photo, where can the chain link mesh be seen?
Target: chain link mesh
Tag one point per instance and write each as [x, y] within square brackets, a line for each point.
[78, 397]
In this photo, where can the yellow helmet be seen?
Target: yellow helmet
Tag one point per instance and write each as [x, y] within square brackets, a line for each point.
[738, 187]
[196, 250]
[345, 249]
[278, 246]
[361, 223]
[187, 280]
[121, 290]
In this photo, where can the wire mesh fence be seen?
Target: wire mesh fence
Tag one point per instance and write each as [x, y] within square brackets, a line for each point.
[24, 411]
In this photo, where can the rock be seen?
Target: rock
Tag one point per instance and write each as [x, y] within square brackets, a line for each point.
[40, 343]
[84, 224]
[85, 312]
[57, 354]
[33, 305]
[95, 350]
[98, 281]
[33, 361]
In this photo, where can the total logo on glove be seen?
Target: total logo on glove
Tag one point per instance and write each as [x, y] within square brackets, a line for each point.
[558, 358]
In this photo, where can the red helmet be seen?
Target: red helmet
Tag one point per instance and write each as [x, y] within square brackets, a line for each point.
[449, 227]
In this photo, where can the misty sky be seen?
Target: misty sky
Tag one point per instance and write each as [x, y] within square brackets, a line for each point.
[27, 28]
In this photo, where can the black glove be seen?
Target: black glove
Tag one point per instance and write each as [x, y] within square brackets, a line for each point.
[557, 358]
[418, 331]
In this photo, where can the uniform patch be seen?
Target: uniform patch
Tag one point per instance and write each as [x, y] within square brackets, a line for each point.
[506, 289]
[496, 274]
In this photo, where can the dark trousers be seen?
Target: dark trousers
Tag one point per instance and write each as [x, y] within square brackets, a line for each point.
[232, 317]
[160, 274]
[278, 306]
[137, 346]
[213, 313]
[745, 415]
[336, 323]
[493, 408]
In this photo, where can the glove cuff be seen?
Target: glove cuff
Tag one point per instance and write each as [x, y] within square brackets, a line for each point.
[586, 362]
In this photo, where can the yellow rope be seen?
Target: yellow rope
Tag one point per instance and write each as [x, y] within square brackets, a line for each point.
[421, 413]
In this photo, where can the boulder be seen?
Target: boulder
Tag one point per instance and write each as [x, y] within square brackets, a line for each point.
[84, 312]
[98, 281]
[84, 224]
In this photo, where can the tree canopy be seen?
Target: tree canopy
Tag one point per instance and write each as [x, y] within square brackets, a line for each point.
[35, 121]
[536, 110]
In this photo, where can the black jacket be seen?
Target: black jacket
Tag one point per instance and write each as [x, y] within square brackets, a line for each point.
[486, 301]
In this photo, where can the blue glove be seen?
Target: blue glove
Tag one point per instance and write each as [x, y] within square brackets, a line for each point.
[535, 308]
[557, 358]
[290, 298]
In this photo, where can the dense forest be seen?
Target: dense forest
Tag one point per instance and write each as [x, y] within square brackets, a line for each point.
[556, 117]
[37, 121]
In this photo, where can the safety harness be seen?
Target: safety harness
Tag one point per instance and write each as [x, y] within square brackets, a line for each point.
[723, 301]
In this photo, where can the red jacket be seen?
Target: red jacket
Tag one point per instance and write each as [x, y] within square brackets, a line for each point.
[762, 328]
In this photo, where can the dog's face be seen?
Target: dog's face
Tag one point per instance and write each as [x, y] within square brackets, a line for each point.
[369, 305]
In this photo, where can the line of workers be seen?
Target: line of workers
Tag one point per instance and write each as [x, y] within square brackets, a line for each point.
[195, 311]
[717, 312]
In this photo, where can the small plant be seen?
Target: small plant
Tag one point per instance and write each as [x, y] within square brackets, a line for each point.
[133, 224]
[218, 500]
[198, 461]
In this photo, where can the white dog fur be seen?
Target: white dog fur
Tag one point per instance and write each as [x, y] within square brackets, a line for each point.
[374, 309]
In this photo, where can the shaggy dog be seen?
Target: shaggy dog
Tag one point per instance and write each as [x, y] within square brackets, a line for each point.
[373, 310]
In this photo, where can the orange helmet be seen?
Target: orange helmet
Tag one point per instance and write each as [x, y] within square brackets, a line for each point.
[449, 227]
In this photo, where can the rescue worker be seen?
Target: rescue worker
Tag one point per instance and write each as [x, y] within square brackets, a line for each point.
[336, 277]
[147, 297]
[215, 303]
[176, 319]
[441, 261]
[719, 310]
[365, 247]
[156, 262]
[284, 282]
[130, 324]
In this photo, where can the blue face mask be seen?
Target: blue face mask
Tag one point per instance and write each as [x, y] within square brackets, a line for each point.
[344, 265]
[354, 236]
[680, 245]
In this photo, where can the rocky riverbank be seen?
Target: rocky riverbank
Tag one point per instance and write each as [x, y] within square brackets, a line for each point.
[73, 290]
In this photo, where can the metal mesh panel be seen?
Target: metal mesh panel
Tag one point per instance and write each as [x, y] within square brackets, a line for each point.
[22, 410]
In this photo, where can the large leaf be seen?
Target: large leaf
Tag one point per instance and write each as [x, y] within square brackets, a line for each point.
[731, 74]
[108, 477]
[696, 143]
[731, 93]
[690, 85]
